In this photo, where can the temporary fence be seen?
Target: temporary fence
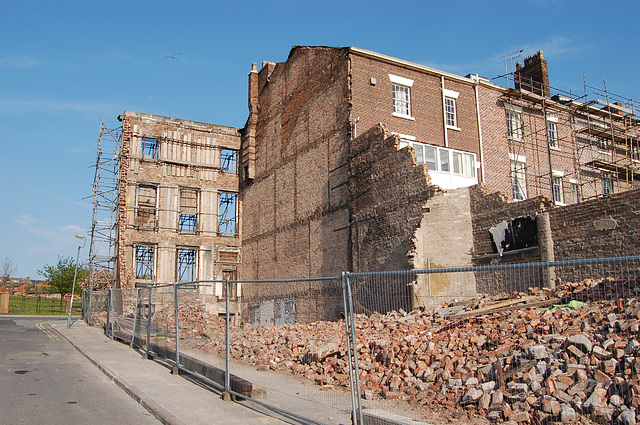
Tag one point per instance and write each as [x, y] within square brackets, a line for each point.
[546, 340]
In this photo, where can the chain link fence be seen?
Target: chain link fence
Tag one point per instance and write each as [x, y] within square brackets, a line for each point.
[528, 342]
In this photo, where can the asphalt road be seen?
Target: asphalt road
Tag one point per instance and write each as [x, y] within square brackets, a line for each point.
[44, 380]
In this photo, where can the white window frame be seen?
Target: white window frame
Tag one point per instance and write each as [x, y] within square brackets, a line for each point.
[443, 158]
[451, 109]
[518, 177]
[575, 191]
[552, 132]
[401, 94]
[607, 185]
[514, 122]
[557, 187]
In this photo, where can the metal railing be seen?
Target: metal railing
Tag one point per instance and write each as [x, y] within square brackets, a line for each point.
[511, 342]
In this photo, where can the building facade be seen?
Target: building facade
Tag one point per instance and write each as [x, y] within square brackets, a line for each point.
[178, 210]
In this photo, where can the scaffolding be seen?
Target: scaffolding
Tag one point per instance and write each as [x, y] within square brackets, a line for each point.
[592, 138]
[102, 250]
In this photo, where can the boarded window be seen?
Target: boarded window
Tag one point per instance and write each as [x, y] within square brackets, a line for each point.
[188, 217]
[228, 256]
[231, 275]
[146, 206]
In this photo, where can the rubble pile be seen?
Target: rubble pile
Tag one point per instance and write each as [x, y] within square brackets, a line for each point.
[523, 363]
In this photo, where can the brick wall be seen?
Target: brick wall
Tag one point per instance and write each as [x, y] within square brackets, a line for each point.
[373, 103]
[295, 216]
[608, 226]
[388, 191]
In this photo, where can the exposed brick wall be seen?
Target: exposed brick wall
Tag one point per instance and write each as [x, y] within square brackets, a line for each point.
[388, 191]
[489, 209]
[608, 226]
[295, 215]
[604, 227]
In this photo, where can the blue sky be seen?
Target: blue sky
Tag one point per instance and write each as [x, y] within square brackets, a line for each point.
[64, 65]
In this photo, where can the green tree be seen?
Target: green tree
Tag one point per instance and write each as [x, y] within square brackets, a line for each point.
[60, 276]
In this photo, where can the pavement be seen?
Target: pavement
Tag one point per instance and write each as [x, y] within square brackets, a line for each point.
[172, 399]
[179, 399]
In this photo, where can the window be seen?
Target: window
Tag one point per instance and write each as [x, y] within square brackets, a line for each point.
[188, 216]
[146, 206]
[442, 159]
[518, 178]
[514, 127]
[601, 143]
[144, 262]
[227, 214]
[186, 267]
[401, 100]
[228, 160]
[552, 134]
[150, 148]
[450, 116]
[450, 112]
[607, 185]
[401, 91]
[574, 193]
[558, 196]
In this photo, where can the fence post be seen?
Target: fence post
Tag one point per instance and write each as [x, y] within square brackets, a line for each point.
[149, 323]
[135, 318]
[176, 370]
[347, 321]
[226, 395]
[356, 370]
[107, 328]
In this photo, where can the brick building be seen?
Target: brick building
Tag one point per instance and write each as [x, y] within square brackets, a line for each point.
[177, 208]
[354, 160]
[327, 185]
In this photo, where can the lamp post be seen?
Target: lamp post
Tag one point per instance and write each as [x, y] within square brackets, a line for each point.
[75, 274]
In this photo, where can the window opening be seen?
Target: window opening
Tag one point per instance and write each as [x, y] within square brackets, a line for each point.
[574, 193]
[144, 262]
[607, 185]
[186, 264]
[228, 160]
[450, 111]
[514, 127]
[146, 206]
[188, 217]
[552, 134]
[227, 214]
[150, 148]
[401, 100]
[518, 180]
[558, 196]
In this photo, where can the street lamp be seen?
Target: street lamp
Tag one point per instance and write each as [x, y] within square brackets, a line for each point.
[75, 273]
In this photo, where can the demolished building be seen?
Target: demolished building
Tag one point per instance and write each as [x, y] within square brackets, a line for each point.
[351, 160]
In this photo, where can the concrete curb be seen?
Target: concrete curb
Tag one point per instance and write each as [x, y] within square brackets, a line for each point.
[153, 407]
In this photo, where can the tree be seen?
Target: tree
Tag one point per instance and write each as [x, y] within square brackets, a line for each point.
[7, 268]
[60, 276]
